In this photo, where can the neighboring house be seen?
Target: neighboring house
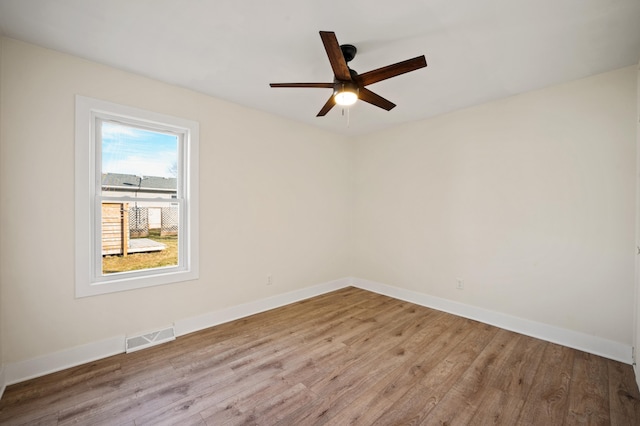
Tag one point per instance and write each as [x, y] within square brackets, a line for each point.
[139, 186]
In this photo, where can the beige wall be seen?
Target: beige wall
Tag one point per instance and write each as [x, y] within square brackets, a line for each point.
[530, 200]
[272, 201]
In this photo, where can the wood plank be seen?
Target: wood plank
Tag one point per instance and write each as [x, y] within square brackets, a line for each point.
[443, 336]
[548, 400]
[624, 397]
[589, 392]
[146, 393]
[341, 386]
[517, 376]
[418, 401]
[496, 408]
[464, 398]
[269, 409]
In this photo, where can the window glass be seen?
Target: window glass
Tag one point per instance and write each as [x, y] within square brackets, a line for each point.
[140, 230]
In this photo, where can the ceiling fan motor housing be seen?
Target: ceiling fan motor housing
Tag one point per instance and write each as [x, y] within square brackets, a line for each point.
[345, 86]
[348, 51]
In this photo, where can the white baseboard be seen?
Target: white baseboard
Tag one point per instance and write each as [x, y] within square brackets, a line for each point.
[16, 372]
[3, 381]
[24, 370]
[573, 339]
[211, 319]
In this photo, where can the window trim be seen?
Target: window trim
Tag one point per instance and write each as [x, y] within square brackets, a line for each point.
[88, 111]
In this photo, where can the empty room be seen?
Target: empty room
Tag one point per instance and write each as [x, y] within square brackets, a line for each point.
[340, 212]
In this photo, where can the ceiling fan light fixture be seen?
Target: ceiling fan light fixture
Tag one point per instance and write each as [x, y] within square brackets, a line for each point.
[345, 98]
[346, 94]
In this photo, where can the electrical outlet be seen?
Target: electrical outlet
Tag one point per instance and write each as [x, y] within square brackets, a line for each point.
[269, 279]
[460, 284]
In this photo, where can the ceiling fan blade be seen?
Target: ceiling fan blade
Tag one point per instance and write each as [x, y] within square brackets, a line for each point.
[327, 107]
[320, 85]
[375, 99]
[338, 64]
[393, 70]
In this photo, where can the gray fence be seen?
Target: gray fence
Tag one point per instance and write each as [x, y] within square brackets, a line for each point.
[170, 216]
[139, 224]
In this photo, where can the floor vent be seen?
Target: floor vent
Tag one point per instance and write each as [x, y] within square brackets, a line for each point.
[136, 343]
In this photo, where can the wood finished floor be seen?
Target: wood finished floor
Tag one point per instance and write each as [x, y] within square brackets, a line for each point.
[347, 357]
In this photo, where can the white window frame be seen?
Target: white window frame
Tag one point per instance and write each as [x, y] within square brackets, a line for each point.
[89, 280]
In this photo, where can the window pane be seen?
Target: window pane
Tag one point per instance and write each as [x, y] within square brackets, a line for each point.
[139, 236]
[138, 163]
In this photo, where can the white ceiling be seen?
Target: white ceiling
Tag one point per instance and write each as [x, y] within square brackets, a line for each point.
[476, 50]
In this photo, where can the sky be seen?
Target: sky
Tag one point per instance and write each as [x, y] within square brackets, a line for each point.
[139, 152]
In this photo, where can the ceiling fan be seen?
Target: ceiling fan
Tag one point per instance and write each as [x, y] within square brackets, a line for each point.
[349, 86]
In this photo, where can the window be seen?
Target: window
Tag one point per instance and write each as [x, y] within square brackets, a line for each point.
[136, 198]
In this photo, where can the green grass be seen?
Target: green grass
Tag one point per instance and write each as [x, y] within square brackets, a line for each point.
[138, 261]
